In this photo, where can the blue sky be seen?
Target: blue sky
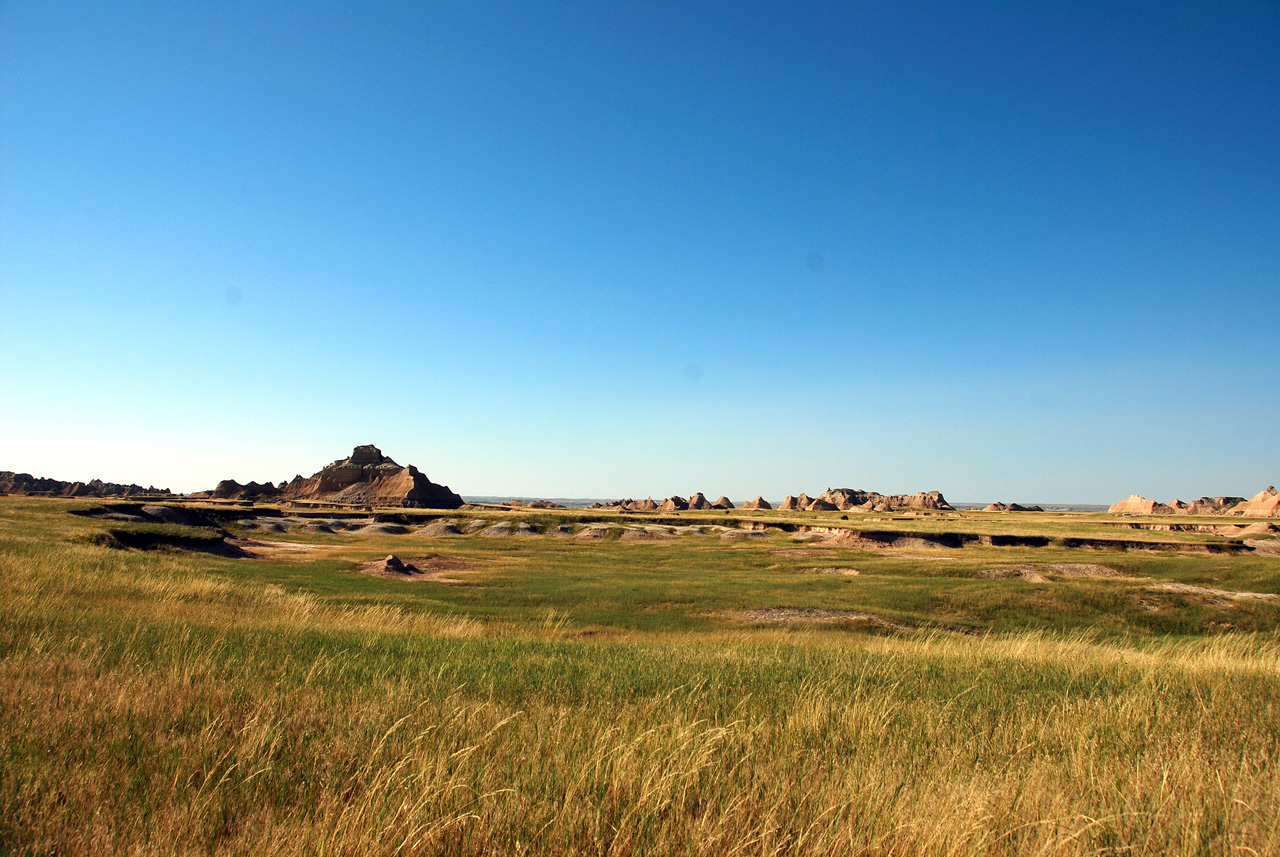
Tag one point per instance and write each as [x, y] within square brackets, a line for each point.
[1021, 252]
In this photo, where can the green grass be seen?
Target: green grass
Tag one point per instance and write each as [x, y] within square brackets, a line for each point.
[602, 698]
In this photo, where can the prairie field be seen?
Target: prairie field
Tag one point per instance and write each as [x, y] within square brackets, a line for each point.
[166, 690]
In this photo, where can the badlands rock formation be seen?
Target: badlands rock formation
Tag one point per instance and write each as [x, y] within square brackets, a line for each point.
[370, 478]
[229, 489]
[698, 502]
[723, 503]
[1212, 505]
[1139, 505]
[758, 503]
[38, 486]
[1264, 504]
[845, 499]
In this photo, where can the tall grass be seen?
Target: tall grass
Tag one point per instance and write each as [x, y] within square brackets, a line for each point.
[153, 703]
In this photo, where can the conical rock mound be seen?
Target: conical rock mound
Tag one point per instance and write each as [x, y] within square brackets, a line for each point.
[698, 502]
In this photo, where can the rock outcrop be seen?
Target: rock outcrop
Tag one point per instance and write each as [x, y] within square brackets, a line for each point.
[229, 489]
[1139, 505]
[369, 478]
[698, 502]
[38, 486]
[674, 504]
[645, 505]
[758, 503]
[723, 503]
[845, 499]
[1264, 504]
[789, 504]
[1212, 505]
[532, 504]
[820, 505]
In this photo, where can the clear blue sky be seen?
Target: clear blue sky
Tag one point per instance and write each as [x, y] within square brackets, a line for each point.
[1021, 252]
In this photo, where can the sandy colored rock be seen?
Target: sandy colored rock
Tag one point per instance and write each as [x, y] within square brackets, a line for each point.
[820, 505]
[645, 505]
[1139, 505]
[723, 503]
[1262, 528]
[995, 507]
[674, 504]
[758, 503]
[789, 504]
[698, 502]
[846, 499]
[1264, 504]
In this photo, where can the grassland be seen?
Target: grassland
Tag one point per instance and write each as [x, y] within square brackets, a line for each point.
[611, 697]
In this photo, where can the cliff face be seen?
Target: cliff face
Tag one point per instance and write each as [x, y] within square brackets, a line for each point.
[367, 477]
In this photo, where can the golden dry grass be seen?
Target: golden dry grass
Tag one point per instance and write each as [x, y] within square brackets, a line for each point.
[150, 703]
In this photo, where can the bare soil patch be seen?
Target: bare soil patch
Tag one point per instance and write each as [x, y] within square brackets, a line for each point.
[1084, 569]
[814, 616]
[1037, 573]
[802, 552]
[648, 534]
[436, 569]
[1218, 597]
[1016, 572]
[278, 550]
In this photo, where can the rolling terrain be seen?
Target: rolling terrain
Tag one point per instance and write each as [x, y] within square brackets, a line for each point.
[225, 678]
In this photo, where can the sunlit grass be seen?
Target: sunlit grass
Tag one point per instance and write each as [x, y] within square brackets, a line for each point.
[579, 699]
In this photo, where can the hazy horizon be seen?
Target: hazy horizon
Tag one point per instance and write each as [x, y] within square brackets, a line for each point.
[1023, 254]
